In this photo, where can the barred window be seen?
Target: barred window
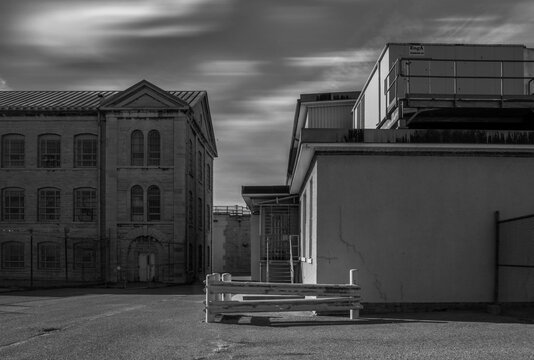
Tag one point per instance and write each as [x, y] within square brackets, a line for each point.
[200, 210]
[153, 198]
[84, 256]
[85, 205]
[208, 176]
[13, 204]
[138, 148]
[49, 256]
[13, 255]
[49, 151]
[190, 157]
[13, 151]
[137, 206]
[190, 213]
[154, 148]
[200, 166]
[85, 147]
[49, 204]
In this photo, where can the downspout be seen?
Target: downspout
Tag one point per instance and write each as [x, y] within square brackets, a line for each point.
[104, 263]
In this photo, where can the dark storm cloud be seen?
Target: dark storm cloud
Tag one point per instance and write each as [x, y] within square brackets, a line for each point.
[254, 57]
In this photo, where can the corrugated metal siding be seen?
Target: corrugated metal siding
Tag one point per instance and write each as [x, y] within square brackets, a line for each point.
[330, 117]
[70, 100]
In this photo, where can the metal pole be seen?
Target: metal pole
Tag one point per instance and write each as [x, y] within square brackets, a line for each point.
[497, 241]
[354, 313]
[31, 258]
[66, 255]
[502, 74]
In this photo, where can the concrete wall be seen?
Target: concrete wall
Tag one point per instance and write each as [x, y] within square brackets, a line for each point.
[419, 228]
[232, 244]
[255, 251]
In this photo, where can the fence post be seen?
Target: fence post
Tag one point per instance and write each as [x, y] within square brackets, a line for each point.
[354, 313]
[210, 278]
[227, 277]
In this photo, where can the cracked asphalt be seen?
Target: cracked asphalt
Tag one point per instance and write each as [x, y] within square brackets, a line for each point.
[167, 323]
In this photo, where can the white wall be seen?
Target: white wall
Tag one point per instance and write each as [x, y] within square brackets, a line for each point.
[419, 228]
[308, 229]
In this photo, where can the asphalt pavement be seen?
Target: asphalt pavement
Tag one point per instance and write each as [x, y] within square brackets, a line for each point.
[168, 323]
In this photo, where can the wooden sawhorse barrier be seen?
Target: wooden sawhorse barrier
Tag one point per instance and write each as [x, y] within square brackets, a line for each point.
[330, 297]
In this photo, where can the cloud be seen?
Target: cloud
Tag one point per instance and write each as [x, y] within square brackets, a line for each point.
[230, 68]
[87, 28]
[3, 85]
[330, 59]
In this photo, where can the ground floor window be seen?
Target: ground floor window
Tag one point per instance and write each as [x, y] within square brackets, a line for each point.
[12, 255]
[49, 256]
[84, 257]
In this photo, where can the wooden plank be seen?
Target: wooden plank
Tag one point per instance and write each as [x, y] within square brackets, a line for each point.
[325, 304]
[284, 289]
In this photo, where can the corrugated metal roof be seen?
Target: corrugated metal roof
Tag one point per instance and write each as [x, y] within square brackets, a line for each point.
[70, 100]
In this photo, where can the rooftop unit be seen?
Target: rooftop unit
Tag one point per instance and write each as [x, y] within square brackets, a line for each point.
[449, 86]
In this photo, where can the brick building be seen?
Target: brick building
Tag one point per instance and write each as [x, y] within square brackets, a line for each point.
[105, 185]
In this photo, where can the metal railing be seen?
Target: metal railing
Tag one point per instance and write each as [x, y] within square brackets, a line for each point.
[402, 68]
[235, 210]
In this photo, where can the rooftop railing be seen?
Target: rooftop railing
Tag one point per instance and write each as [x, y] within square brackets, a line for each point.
[235, 210]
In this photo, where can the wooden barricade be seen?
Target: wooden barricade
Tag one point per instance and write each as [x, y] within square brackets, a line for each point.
[330, 297]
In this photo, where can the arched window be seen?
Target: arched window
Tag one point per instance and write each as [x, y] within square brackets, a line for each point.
[137, 206]
[208, 217]
[49, 151]
[13, 204]
[154, 148]
[49, 204]
[200, 259]
[138, 148]
[49, 255]
[85, 204]
[153, 198]
[12, 255]
[12, 151]
[85, 150]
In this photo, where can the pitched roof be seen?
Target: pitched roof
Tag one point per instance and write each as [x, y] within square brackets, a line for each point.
[71, 100]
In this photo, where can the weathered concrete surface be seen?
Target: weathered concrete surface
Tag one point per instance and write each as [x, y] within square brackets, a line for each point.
[167, 323]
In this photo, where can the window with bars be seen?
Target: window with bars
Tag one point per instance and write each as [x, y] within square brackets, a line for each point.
[49, 204]
[49, 151]
[13, 151]
[208, 176]
[48, 255]
[200, 166]
[154, 148]
[200, 210]
[137, 148]
[190, 212]
[153, 203]
[85, 149]
[137, 203]
[13, 204]
[190, 157]
[84, 256]
[85, 205]
[12, 255]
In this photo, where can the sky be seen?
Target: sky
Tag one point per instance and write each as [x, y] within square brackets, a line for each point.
[253, 57]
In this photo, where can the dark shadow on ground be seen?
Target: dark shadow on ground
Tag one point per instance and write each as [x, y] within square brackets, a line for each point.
[131, 288]
[512, 316]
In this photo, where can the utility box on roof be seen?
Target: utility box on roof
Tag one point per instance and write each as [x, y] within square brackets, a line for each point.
[441, 74]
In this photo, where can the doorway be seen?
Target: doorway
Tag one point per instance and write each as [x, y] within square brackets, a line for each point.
[147, 266]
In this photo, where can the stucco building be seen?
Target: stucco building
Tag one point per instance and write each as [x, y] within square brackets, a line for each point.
[413, 191]
[105, 185]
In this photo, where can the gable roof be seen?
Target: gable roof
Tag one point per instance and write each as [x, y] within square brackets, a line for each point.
[89, 100]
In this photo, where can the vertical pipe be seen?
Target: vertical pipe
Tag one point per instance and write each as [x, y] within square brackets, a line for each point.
[66, 255]
[31, 258]
[497, 241]
[354, 313]
[455, 69]
[502, 74]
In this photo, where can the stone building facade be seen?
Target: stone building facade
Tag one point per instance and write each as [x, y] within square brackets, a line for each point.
[105, 185]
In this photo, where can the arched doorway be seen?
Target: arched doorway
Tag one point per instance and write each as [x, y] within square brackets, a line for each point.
[144, 258]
